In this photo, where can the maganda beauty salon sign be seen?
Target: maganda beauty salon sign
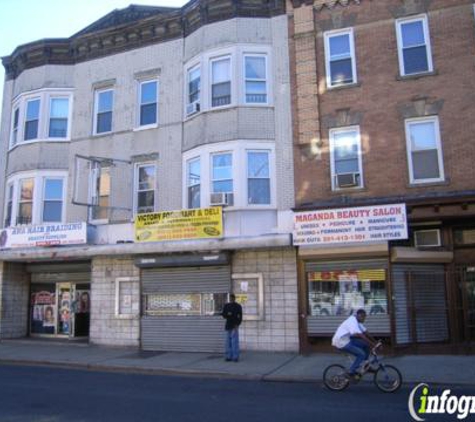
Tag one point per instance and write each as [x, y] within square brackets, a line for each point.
[43, 235]
[350, 225]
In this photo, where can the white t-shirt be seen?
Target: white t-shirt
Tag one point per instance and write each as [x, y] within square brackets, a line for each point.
[348, 327]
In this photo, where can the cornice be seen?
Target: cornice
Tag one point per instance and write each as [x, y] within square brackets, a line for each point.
[320, 4]
[117, 33]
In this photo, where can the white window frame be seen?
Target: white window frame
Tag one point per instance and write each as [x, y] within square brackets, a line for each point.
[265, 80]
[68, 121]
[269, 154]
[232, 80]
[97, 93]
[189, 70]
[38, 194]
[239, 150]
[136, 185]
[327, 36]
[15, 130]
[25, 121]
[140, 84]
[45, 96]
[212, 180]
[10, 189]
[188, 185]
[135, 309]
[43, 199]
[332, 134]
[425, 26]
[438, 143]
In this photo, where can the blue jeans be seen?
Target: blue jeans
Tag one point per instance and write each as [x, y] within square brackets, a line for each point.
[358, 348]
[232, 344]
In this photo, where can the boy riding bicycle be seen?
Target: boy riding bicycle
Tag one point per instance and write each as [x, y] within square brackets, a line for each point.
[352, 337]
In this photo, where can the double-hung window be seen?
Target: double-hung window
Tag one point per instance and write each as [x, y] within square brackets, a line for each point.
[193, 90]
[255, 70]
[258, 178]
[32, 119]
[345, 152]
[9, 211]
[193, 177]
[16, 119]
[101, 189]
[52, 200]
[145, 188]
[148, 103]
[221, 82]
[25, 203]
[222, 173]
[340, 58]
[414, 46]
[58, 118]
[103, 111]
[424, 150]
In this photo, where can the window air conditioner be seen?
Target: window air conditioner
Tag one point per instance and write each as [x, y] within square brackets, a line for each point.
[427, 238]
[221, 198]
[192, 108]
[346, 180]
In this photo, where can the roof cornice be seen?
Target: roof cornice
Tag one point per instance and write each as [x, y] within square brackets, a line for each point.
[114, 34]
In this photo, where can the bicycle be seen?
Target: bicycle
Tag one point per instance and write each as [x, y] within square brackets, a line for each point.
[386, 377]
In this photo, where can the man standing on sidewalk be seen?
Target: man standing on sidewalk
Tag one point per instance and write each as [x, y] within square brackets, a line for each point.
[232, 312]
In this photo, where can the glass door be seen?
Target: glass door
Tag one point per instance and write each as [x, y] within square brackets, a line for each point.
[64, 294]
[81, 315]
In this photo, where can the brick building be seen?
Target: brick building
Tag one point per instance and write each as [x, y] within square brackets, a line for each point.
[382, 105]
[151, 110]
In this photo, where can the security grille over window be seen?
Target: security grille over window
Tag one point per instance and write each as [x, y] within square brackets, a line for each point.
[104, 186]
[427, 238]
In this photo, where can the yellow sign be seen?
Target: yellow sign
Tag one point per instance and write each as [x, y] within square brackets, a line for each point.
[199, 223]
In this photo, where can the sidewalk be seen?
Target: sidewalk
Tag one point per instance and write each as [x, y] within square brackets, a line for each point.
[266, 366]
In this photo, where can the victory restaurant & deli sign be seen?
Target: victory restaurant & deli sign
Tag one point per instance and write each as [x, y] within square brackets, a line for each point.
[350, 225]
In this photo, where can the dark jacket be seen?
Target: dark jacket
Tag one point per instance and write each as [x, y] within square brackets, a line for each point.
[232, 311]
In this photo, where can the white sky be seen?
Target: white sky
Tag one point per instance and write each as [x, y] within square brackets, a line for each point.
[24, 21]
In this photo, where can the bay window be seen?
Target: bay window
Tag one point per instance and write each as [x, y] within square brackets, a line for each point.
[222, 173]
[58, 117]
[258, 177]
[32, 119]
[52, 200]
[221, 82]
[255, 69]
[193, 176]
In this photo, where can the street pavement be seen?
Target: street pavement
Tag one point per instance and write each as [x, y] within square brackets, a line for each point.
[253, 365]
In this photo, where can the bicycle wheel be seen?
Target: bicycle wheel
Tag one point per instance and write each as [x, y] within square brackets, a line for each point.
[335, 377]
[388, 378]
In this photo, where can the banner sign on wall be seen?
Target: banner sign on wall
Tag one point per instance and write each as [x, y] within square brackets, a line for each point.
[51, 234]
[350, 225]
[200, 223]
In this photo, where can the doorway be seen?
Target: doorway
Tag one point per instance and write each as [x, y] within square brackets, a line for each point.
[60, 310]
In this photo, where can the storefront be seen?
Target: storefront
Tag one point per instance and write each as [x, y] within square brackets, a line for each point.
[182, 298]
[60, 297]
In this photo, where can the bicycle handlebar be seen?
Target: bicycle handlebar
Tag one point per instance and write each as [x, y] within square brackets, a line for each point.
[378, 344]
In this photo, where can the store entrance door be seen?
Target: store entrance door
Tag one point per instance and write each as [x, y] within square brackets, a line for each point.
[60, 310]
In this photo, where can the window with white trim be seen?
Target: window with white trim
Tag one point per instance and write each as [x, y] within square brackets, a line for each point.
[220, 82]
[15, 123]
[424, 150]
[222, 173]
[414, 49]
[236, 173]
[193, 90]
[148, 107]
[103, 111]
[100, 195]
[42, 115]
[52, 200]
[193, 177]
[145, 180]
[35, 198]
[255, 75]
[58, 117]
[8, 213]
[258, 177]
[340, 58]
[32, 119]
[345, 154]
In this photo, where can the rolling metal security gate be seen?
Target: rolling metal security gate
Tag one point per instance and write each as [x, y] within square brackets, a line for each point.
[420, 304]
[197, 333]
